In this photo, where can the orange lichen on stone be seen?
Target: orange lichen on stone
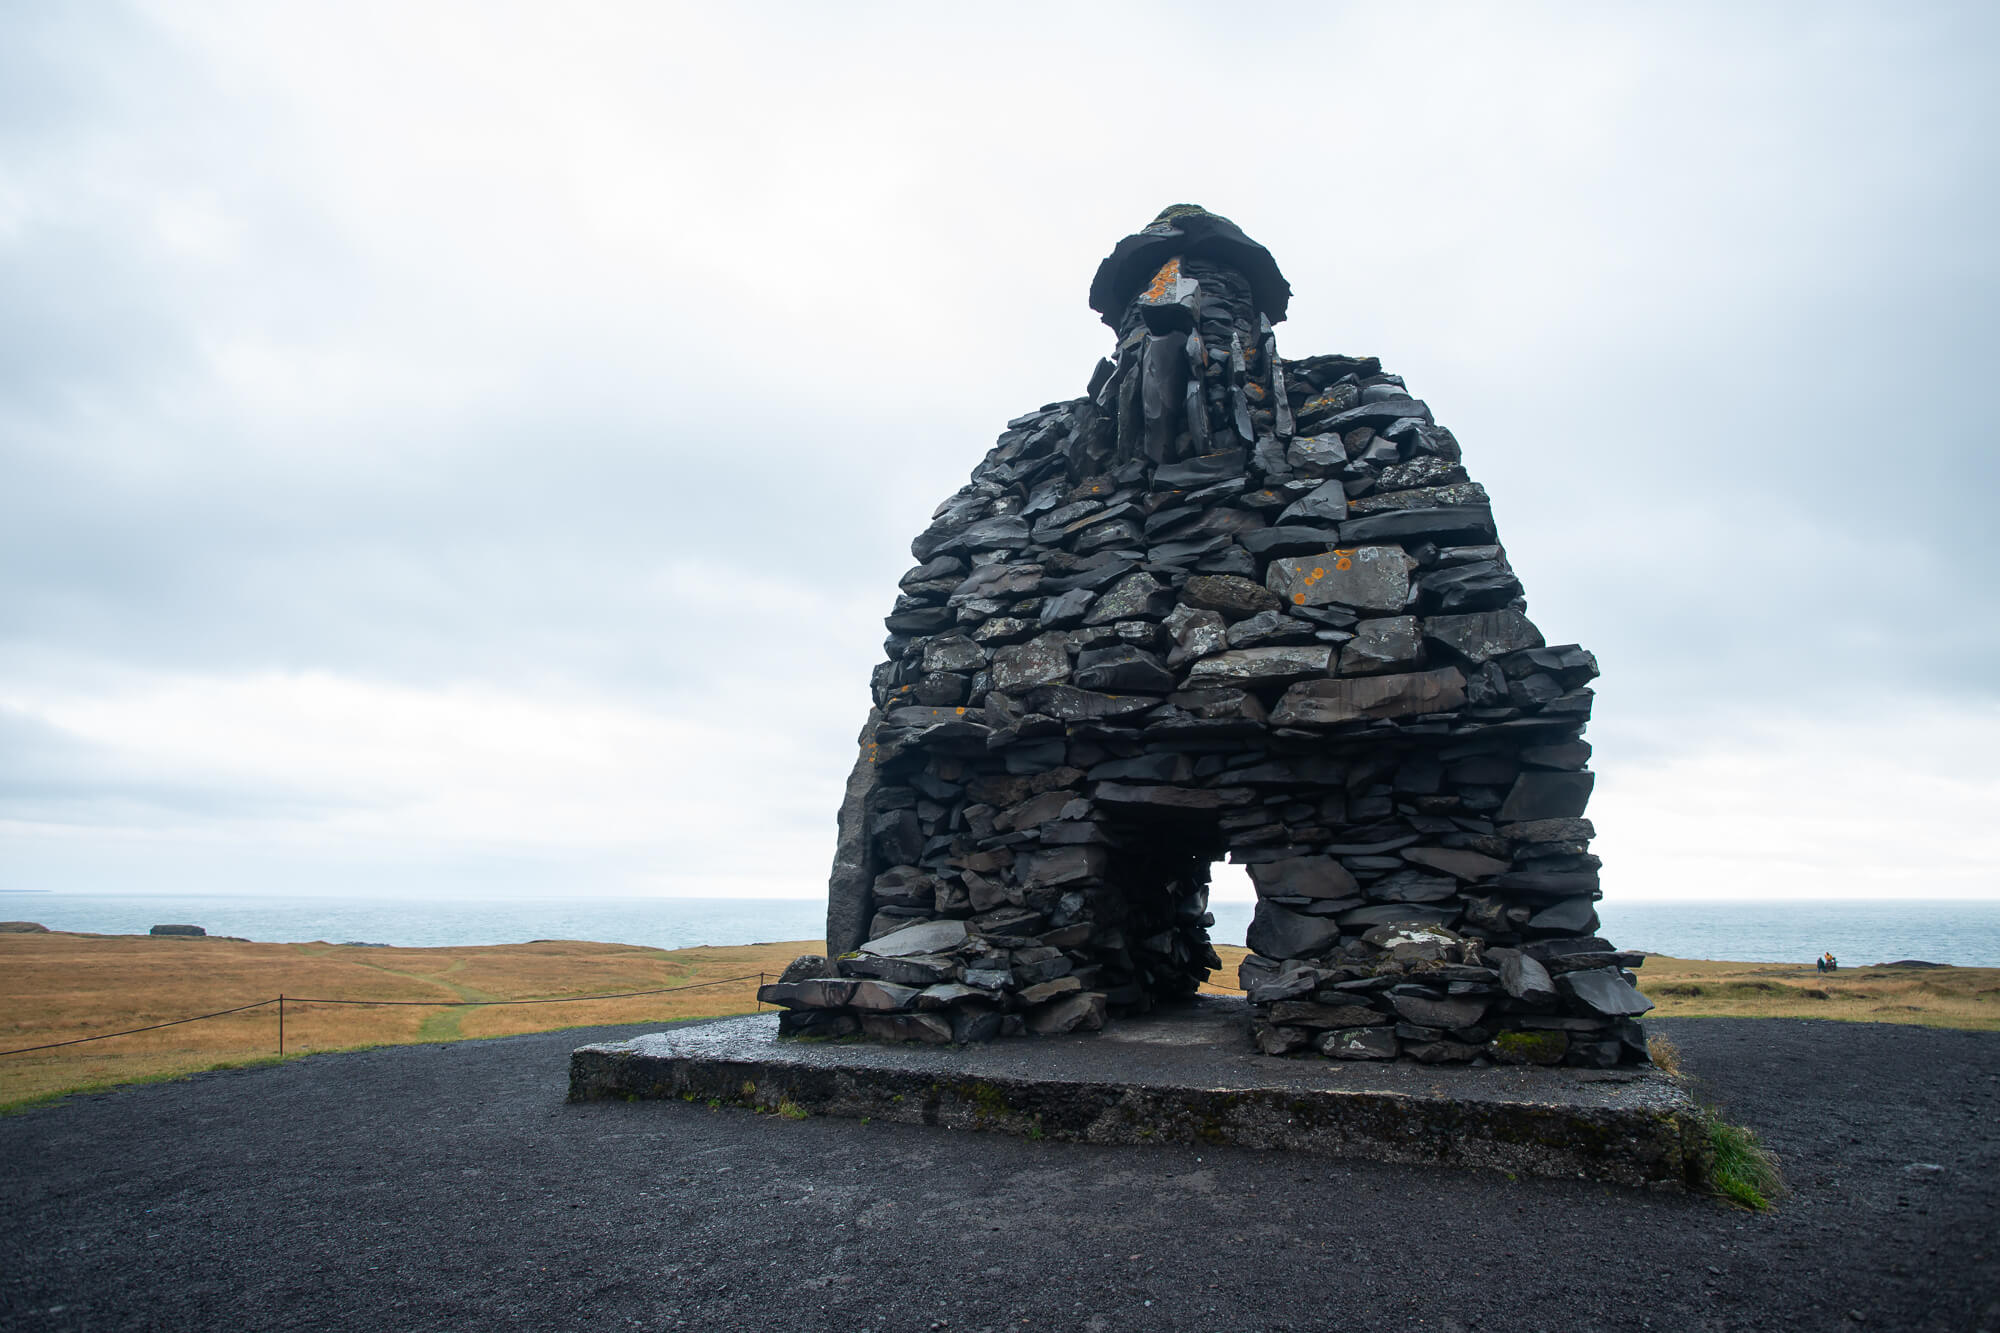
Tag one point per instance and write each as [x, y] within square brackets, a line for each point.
[1164, 280]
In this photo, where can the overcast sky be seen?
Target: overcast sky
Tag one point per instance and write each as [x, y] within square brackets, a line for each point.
[460, 450]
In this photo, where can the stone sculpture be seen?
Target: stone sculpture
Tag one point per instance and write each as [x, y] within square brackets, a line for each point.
[1223, 604]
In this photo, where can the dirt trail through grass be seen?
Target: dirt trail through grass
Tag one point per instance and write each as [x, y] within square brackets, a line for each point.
[439, 1024]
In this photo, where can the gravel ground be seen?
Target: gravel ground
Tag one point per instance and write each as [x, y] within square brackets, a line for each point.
[450, 1187]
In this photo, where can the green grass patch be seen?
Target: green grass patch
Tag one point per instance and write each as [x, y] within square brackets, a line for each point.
[1741, 1170]
[442, 1026]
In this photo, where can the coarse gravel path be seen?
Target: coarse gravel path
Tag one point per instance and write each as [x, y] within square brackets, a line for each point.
[451, 1187]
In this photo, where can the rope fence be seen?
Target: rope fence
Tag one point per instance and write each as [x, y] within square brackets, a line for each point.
[153, 1027]
[282, 1000]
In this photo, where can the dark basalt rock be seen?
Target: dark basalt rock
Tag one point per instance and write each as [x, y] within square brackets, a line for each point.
[1483, 636]
[1289, 539]
[1538, 796]
[1260, 667]
[1268, 629]
[1072, 703]
[1525, 979]
[1042, 661]
[1362, 919]
[1571, 916]
[1380, 413]
[1328, 703]
[1387, 644]
[1445, 526]
[1364, 578]
[1233, 597]
[1478, 586]
[1122, 668]
[1224, 603]
[1439, 1011]
[1134, 597]
[1304, 877]
[1278, 932]
[1198, 472]
[1359, 1043]
[1604, 992]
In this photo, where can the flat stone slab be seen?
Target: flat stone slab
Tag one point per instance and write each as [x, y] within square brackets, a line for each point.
[1185, 1075]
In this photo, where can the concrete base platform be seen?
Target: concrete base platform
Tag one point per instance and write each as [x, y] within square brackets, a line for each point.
[1186, 1075]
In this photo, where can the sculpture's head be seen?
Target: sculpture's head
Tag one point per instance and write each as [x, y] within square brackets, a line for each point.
[1186, 231]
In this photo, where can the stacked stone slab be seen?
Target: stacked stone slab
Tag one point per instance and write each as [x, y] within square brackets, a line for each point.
[1224, 604]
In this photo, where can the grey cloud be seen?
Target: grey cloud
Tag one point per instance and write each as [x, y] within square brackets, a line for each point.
[55, 777]
[1746, 334]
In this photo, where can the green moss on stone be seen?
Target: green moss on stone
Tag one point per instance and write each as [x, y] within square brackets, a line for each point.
[1538, 1048]
[991, 1102]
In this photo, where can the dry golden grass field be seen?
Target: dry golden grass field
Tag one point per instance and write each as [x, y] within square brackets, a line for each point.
[1943, 997]
[55, 986]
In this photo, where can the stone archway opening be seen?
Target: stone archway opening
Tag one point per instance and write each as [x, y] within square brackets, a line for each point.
[1152, 912]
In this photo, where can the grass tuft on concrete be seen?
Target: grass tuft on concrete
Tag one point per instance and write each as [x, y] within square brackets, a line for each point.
[1666, 1056]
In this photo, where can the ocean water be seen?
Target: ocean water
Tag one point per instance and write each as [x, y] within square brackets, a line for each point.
[1966, 934]
[662, 923]
[1857, 933]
